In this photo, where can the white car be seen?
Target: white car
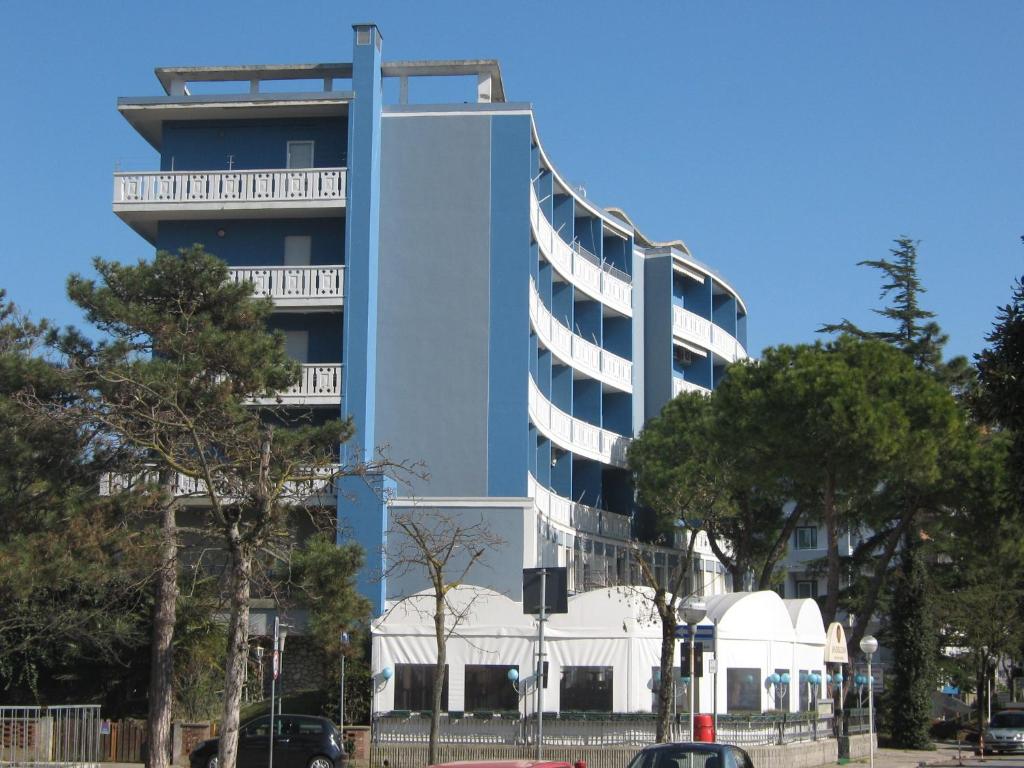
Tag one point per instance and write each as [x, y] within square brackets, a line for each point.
[1005, 732]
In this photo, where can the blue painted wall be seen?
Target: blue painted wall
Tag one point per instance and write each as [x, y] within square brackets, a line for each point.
[362, 514]
[206, 145]
[510, 167]
[697, 297]
[618, 252]
[586, 482]
[561, 387]
[723, 312]
[434, 310]
[561, 304]
[618, 412]
[256, 242]
[586, 401]
[587, 319]
[325, 333]
[563, 211]
[617, 489]
[561, 472]
[618, 335]
[741, 329]
[589, 233]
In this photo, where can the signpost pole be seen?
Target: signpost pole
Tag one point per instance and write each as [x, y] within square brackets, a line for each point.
[540, 663]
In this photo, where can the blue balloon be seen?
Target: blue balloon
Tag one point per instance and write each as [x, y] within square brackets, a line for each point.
[837, 678]
[776, 678]
[785, 678]
[513, 674]
[387, 673]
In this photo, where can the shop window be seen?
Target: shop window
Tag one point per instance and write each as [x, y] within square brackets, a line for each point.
[586, 689]
[743, 689]
[414, 687]
[487, 687]
[682, 697]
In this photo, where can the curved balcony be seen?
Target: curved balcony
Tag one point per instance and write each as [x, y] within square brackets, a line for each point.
[319, 385]
[575, 351]
[143, 199]
[681, 385]
[581, 269]
[575, 516]
[575, 435]
[702, 332]
[318, 488]
[295, 287]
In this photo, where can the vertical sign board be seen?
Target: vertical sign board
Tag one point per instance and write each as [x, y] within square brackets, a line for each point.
[835, 645]
[556, 590]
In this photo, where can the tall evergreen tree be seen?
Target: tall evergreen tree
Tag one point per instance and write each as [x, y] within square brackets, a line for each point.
[914, 640]
[915, 330]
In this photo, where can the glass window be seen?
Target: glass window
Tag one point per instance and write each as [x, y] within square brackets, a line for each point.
[682, 702]
[297, 250]
[300, 154]
[487, 688]
[414, 687]
[586, 689]
[260, 727]
[307, 727]
[809, 692]
[807, 537]
[743, 689]
[807, 589]
[296, 345]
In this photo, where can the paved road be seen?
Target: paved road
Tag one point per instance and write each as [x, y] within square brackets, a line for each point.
[945, 755]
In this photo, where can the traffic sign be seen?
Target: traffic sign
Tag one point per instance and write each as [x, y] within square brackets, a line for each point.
[705, 633]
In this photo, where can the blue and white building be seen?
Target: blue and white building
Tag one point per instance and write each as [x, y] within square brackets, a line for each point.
[446, 288]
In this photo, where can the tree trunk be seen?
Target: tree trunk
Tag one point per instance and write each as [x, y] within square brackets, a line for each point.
[667, 689]
[237, 650]
[779, 548]
[435, 708]
[832, 532]
[165, 605]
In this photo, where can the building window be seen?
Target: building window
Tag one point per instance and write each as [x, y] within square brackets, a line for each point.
[807, 537]
[807, 589]
[300, 154]
[809, 692]
[487, 688]
[414, 687]
[586, 689]
[296, 345]
[297, 250]
[743, 689]
[682, 702]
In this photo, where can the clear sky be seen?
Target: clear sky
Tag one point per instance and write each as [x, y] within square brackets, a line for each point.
[783, 141]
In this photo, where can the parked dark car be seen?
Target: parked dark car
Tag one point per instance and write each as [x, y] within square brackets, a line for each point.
[300, 741]
[691, 754]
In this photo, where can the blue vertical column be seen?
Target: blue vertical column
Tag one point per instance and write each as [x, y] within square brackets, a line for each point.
[508, 362]
[362, 235]
[363, 499]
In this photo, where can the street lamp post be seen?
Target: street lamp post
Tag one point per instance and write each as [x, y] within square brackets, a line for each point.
[341, 695]
[692, 614]
[280, 633]
[868, 645]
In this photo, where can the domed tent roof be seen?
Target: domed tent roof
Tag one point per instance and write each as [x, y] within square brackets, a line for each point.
[807, 622]
[492, 613]
[751, 616]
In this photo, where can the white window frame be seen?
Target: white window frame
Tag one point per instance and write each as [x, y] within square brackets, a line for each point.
[796, 537]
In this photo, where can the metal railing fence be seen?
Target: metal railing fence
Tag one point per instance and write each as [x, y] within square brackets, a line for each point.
[51, 736]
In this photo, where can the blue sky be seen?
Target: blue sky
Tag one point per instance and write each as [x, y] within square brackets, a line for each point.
[783, 141]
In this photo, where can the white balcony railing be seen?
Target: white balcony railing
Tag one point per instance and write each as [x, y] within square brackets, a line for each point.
[575, 435]
[295, 286]
[698, 330]
[319, 385]
[681, 385]
[319, 486]
[576, 351]
[227, 187]
[580, 270]
[575, 516]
